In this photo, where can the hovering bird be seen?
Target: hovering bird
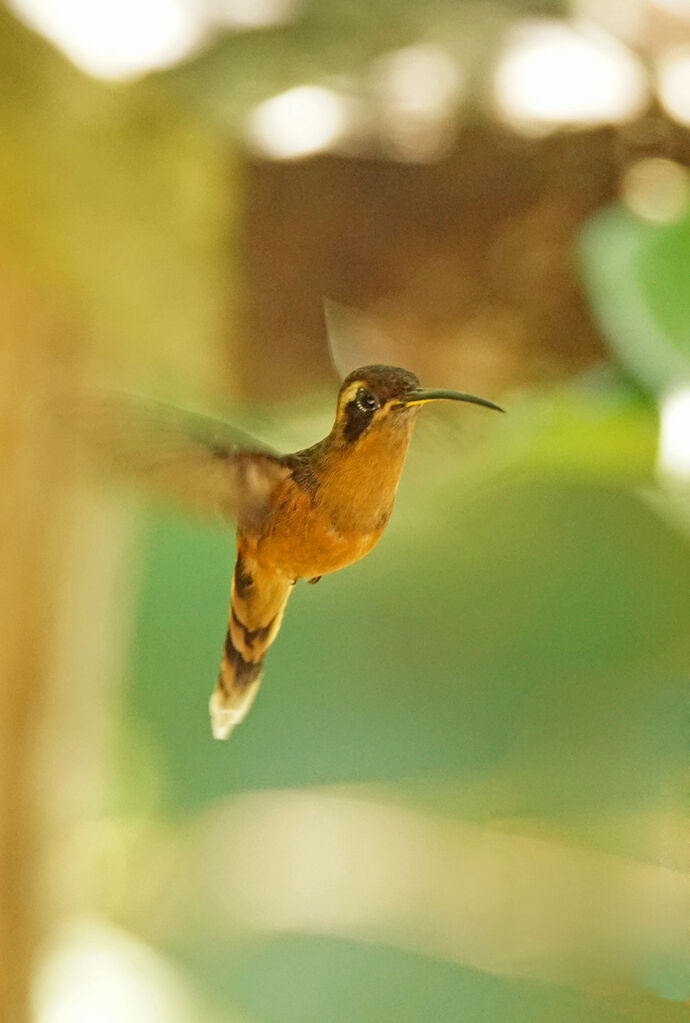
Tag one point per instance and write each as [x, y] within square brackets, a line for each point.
[299, 516]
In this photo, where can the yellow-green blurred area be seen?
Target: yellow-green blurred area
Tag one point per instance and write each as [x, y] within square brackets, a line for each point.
[461, 794]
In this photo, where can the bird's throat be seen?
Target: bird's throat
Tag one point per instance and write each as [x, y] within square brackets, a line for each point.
[360, 479]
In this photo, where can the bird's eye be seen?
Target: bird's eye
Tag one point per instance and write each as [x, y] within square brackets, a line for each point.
[366, 401]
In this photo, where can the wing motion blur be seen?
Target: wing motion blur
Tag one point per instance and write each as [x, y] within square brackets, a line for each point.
[202, 462]
[354, 339]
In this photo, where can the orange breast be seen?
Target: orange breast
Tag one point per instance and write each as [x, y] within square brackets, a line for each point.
[311, 533]
[302, 540]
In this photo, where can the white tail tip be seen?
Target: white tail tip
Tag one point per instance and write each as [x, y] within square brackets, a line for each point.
[223, 719]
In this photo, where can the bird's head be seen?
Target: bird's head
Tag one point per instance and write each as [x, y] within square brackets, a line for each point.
[386, 397]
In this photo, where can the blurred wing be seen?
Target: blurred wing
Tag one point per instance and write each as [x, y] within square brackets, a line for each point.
[354, 339]
[205, 463]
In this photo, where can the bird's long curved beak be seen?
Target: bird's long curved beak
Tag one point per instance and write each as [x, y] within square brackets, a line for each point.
[423, 394]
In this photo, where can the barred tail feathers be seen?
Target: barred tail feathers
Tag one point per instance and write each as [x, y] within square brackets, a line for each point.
[256, 613]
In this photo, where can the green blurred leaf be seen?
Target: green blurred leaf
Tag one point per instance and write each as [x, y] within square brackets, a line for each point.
[638, 279]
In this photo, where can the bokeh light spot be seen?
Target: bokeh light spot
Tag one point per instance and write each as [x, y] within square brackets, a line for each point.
[116, 38]
[657, 189]
[556, 74]
[299, 122]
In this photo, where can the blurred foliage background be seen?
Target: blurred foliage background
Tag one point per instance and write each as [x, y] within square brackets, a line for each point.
[460, 794]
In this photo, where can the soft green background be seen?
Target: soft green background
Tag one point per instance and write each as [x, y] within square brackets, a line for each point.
[515, 649]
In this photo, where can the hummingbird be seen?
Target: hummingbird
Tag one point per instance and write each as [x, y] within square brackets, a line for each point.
[299, 516]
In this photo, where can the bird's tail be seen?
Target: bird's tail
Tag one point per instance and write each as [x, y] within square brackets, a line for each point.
[256, 612]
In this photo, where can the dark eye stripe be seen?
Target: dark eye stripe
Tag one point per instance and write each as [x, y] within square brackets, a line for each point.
[356, 421]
